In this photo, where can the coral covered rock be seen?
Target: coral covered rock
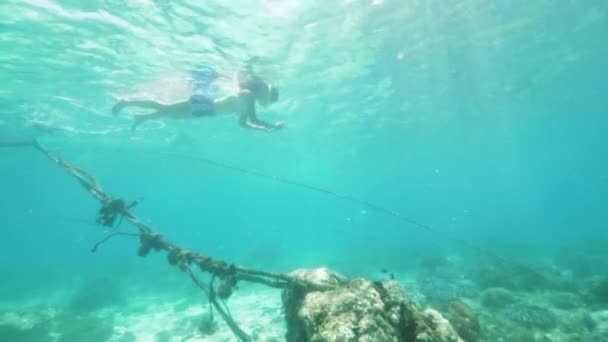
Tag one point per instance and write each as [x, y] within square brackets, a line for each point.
[354, 312]
[436, 329]
[294, 296]
[321, 276]
[464, 321]
[359, 310]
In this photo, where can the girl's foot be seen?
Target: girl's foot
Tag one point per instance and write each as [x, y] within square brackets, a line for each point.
[138, 120]
[118, 107]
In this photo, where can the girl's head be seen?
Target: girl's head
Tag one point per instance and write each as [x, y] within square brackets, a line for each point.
[265, 93]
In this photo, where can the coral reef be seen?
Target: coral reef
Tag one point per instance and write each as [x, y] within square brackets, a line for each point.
[510, 277]
[565, 300]
[530, 278]
[359, 310]
[497, 298]
[531, 316]
[599, 291]
[576, 322]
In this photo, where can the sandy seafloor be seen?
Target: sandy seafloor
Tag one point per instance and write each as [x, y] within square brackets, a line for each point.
[549, 315]
[147, 318]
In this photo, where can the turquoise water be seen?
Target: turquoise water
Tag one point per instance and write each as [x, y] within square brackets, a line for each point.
[483, 120]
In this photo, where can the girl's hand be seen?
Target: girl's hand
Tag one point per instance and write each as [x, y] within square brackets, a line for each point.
[277, 125]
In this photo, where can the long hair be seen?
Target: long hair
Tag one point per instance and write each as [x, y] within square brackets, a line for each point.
[251, 82]
[258, 87]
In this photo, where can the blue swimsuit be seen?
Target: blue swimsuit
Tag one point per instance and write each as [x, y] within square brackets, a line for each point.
[201, 105]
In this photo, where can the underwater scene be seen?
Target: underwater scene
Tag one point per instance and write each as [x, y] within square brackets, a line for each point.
[303, 170]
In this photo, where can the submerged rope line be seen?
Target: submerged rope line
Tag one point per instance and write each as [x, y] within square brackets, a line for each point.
[226, 315]
[347, 197]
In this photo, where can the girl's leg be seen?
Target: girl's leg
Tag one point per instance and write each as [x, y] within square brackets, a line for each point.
[145, 117]
[140, 104]
[174, 111]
